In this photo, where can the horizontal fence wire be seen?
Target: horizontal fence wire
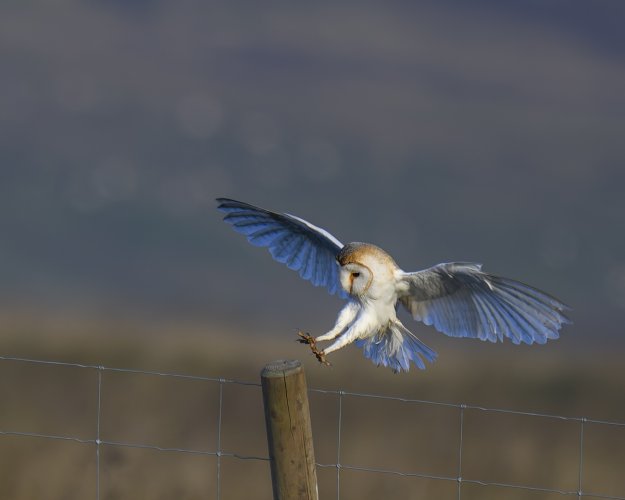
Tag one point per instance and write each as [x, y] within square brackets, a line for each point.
[338, 466]
[459, 479]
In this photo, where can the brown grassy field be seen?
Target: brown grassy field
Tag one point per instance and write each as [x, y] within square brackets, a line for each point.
[375, 433]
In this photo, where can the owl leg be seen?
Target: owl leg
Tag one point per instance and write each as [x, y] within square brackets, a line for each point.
[357, 330]
[345, 317]
[342, 341]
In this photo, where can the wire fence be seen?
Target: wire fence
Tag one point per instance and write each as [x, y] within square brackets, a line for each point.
[339, 465]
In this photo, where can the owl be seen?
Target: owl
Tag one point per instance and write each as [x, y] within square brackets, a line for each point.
[456, 298]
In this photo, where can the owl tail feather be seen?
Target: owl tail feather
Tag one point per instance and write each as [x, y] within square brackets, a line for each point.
[395, 347]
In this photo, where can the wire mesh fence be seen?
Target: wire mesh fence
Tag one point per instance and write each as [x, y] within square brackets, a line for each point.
[345, 456]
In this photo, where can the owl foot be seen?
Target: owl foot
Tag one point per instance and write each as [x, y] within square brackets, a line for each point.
[306, 338]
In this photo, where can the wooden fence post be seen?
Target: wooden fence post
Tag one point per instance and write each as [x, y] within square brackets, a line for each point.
[289, 434]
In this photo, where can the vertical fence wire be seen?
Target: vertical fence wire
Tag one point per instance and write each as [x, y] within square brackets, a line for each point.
[338, 446]
[219, 417]
[460, 448]
[581, 456]
[97, 439]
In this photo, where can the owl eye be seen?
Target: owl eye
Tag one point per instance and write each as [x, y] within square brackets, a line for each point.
[355, 275]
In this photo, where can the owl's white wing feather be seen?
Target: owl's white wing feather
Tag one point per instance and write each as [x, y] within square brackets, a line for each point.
[295, 242]
[460, 300]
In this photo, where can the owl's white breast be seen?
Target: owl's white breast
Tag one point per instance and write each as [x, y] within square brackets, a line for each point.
[379, 299]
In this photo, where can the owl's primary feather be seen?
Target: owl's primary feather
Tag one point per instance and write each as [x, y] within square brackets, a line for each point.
[303, 247]
[458, 299]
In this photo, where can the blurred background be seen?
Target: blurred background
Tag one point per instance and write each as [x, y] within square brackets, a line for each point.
[440, 130]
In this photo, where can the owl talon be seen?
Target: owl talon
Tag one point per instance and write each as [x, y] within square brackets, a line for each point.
[306, 338]
[321, 357]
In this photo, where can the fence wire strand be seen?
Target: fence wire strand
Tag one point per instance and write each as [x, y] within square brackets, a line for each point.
[460, 448]
[581, 457]
[221, 402]
[98, 442]
[338, 447]
[97, 439]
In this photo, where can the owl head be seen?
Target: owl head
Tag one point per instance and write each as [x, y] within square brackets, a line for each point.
[364, 268]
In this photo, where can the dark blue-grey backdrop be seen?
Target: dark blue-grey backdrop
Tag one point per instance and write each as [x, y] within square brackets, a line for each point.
[441, 130]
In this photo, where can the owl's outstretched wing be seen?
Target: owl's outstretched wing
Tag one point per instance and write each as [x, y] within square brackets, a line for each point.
[460, 300]
[300, 245]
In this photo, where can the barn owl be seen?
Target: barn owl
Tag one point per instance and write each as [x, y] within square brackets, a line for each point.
[457, 298]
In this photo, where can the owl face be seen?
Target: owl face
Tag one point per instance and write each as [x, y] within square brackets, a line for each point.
[356, 278]
[365, 269]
